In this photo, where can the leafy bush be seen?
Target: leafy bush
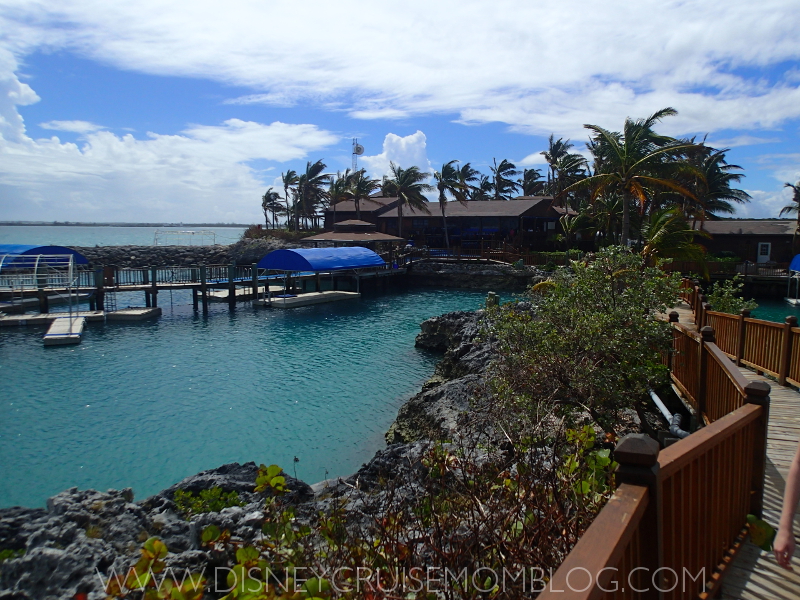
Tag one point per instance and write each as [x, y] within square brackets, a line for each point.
[593, 347]
[725, 296]
[9, 554]
[210, 500]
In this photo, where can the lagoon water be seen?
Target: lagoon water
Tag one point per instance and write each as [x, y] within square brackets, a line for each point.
[145, 404]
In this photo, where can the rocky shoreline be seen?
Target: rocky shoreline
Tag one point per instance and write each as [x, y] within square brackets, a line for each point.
[494, 276]
[84, 535]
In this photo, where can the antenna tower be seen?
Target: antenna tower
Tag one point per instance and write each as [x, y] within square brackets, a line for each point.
[358, 150]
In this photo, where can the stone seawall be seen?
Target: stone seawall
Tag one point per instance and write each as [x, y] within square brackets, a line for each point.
[244, 252]
[495, 276]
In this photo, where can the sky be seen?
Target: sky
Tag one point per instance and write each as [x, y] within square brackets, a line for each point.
[178, 111]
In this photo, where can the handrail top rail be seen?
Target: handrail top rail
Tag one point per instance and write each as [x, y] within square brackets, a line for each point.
[681, 453]
[724, 315]
[602, 545]
[775, 324]
[733, 373]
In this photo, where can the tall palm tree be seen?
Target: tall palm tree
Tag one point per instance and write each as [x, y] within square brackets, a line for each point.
[531, 186]
[633, 163]
[362, 187]
[795, 206]
[502, 183]
[289, 180]
[466, 177]
[556, 150]
[482, 191]
[270, 204]
[568, 169]
[310, 190]
[448, 181]
[339, 190]
[407, 185]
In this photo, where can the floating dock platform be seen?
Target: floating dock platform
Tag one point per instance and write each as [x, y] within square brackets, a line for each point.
[308, 299]
[65, 330]
[47, 318]
[134, 314]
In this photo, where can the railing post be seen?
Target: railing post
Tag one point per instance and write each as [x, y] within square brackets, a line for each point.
[204, 287]
[232, 285]
[786, 349]
[757, 392]
[254, 274]
[744, 314]
[706, 337]
[154, 290]
[99, 283]
[700, 320]
[637, 455]
[673, 318]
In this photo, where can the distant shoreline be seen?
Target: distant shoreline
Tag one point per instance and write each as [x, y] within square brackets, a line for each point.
[74, 224]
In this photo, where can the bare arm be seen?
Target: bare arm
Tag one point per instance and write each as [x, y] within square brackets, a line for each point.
[784, 541]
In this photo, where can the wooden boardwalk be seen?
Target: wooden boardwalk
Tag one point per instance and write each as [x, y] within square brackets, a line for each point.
[754, 574]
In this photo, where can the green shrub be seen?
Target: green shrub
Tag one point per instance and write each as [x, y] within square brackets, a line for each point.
[725, 296]
[11, 554]
[210, 500]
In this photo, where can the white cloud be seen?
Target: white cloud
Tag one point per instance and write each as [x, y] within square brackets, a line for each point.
[405, 152]
[765, 204]
[504, 61]
[740, 140]
[73, 126]
[110, 177]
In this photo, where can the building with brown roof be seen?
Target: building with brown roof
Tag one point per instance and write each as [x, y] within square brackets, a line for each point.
[755, 240]
[531, 221]
[353, 232]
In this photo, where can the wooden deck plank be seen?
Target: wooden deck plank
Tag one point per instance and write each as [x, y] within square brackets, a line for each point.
[754, 574]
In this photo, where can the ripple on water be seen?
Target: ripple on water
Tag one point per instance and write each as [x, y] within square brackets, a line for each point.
[143, 405]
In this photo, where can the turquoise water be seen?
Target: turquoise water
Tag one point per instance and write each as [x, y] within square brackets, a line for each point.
[107, 236]
[775, 310]
[143, 405]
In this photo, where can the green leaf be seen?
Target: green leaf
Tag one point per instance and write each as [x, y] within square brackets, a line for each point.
[246, 554]
[210, 534]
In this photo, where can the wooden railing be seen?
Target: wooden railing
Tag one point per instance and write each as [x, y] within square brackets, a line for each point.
[678, 516]
[766, 346]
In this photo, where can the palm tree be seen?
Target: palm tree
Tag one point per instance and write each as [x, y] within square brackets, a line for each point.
[408, 187]
[502, 183]
[795, 206]
[362, 187]
[633, 162]
[466, 177]
[270, 204]
[531, 186]
[448, 181]
[310, 190]
[556, 150]
[482, 191]
[668, 235]
[339, 190]
[289, 180]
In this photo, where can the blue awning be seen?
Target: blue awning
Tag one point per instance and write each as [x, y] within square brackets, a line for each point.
[795, 264]
[320, 259]
[12, 255]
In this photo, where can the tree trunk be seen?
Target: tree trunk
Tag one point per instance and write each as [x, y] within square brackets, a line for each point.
[446, 235]
[400, 219]
[626, 218]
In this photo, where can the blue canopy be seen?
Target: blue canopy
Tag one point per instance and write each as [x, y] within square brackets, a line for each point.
[795, 264]
[11, 255]
[320, 259]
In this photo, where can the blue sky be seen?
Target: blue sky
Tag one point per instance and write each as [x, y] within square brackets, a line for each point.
[178, 111]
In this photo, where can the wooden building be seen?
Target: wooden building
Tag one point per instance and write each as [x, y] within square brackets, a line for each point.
[528, 221]
[754, 240]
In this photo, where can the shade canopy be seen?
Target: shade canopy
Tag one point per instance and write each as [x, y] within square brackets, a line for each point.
[320, 259]
[12, 255]
[795, 264]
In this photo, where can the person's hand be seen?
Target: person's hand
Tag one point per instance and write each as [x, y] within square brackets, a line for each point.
[784, 547]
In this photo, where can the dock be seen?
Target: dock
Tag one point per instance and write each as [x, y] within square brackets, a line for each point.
[47, 318]
[308, 299]
[134, 314]
[65, 330]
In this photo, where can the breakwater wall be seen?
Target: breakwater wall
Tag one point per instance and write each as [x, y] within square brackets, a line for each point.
[472, 275]
[244, 252]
